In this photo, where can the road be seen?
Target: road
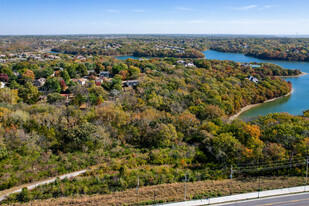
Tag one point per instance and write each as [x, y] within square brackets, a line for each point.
[36, 184]
[286, 200]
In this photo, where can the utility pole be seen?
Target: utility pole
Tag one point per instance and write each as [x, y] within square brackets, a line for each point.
[306, 168]
[137, 190]
[259, 187]
[232, 172]
[185, 193]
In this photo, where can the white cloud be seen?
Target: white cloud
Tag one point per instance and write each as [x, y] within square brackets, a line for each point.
[138, 10]
[244, 8]
[270, 6]
[184, 9]
[112, 10]
[161, 23]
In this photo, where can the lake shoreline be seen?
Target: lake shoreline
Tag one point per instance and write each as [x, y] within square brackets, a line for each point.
[299, 75]
[231, 118]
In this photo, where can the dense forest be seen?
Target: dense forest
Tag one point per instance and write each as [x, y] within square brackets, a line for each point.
[290, 49]
[263, 47]
[155, 119]
[172, 109]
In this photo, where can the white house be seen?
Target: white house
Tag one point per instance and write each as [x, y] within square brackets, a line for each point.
[181, 61]
[255, 65]
[253, 79]
[2, 85]
[40, 82]
[190, 64]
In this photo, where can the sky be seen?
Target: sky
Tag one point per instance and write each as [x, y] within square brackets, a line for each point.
[271, 17]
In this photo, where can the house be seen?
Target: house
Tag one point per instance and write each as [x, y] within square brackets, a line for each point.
[40, 82]
[253, 79]
[180, 62]
[104, 74]
[91, 72]
[255, 65]
[2, 85]
[190, 64]
[130, 83]
[66, 97]
[17, 74]
[98, 81]
[81, 81]
[80, 57]
[245, 64]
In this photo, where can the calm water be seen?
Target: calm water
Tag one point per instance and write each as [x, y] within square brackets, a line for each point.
[294, 104]
[127, 57]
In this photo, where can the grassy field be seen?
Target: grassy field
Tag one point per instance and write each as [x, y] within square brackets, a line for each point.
[175, 192]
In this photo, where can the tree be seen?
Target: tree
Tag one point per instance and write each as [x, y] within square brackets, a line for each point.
[52, 84]
[47, 72]
[76, 137]
[65, 75]
[98, 67]
[8, 95]
[28, 75]
[24, 196]
[224, 147]
[71, 70]
[119, 67]
[55, 98]
[116, 83]
[29, 93]
[4, 77]
[62, 84]
[14, 85]
[133, 72]
[82, 69]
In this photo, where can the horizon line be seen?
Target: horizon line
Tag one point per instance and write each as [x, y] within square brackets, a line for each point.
[214, 34]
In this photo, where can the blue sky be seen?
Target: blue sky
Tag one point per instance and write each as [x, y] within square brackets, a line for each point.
[154, 16]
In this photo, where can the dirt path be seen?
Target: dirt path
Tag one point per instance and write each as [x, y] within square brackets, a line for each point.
[5, 193]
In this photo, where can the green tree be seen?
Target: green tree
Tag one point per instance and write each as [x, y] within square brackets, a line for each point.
[29, 93]
[52, 84]
[133, 72]
[54, 98]
[24, 196]
[82, 69]
[65, 75]
[119, 67]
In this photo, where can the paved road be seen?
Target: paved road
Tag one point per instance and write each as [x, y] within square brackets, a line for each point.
[287, 200]
[34, 185]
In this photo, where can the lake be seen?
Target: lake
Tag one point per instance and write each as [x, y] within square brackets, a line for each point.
[127, 57]
[294, 104]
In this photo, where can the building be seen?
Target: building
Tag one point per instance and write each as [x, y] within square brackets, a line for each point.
[181, 62]
[253, 79]
[80, 57]
[2, 85]
[98, 82]
[40, 82]
[81, 81]
[130, 83]
[104, 74]
[190, 64]
[255, 65]
[91, 72]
